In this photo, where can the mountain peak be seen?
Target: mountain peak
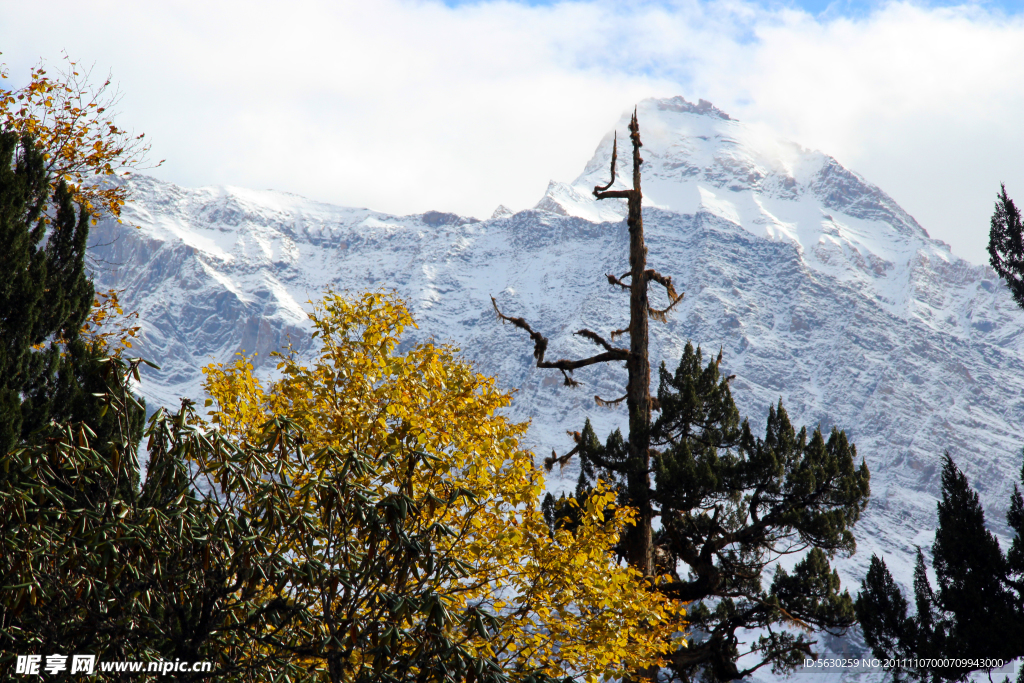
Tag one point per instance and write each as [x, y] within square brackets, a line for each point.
[698, 160]
[679, 104]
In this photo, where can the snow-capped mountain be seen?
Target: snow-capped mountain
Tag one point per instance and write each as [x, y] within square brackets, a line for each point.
[821, 290]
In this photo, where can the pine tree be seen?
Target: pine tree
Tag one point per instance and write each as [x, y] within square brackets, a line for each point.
[23, 188]
[927, 632]
[729, 504]
[1006, 245]
[882, 612]
[971, 571]
[976, 611]
[47, 370]
[1015, 556]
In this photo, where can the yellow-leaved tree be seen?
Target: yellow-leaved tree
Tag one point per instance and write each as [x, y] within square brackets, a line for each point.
[431, 449]
[71, 118]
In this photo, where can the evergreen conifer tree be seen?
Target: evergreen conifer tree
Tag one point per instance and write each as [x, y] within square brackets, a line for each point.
[882, 612]
[926, 632]
[23, 188]
[975, 612]
[730, 504]
[971, 571]
[1006, 245]
[47, 370]
[1015, 556]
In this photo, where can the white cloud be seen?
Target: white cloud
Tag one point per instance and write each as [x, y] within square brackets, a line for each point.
[406, 106]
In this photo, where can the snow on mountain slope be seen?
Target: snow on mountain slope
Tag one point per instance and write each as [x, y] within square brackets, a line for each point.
[820, 289]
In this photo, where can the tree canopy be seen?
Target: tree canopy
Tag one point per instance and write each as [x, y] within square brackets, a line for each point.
[542, 603]
[730, 506]
[48, 367]
[369, 518]
[1006, 245]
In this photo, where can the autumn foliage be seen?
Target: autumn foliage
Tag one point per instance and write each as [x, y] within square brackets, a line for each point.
[70, 119]
[541, 602]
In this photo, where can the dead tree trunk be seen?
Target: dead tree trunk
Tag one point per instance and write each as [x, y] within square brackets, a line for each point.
[638, 541]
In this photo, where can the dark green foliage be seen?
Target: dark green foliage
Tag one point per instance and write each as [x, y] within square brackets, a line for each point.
[971, 570]
[813, 590]
[927, 637]
[23, 184]
[731, 504]
[1015, 557]
[882, 611]
[977, 608]
[1006, 245]
[84, 551]
[47, 371]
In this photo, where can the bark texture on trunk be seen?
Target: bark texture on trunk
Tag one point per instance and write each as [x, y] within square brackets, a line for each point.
[638, 391]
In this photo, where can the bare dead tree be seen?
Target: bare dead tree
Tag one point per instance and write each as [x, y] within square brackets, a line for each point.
[729, 504]
[638, 542]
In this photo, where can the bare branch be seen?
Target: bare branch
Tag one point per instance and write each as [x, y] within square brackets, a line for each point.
[563, 460]
[540, 342]
[660, 315]
[615, 155]
[570, 365]
[665, 282]
[540, 345]
[673, 297]
[618, 333]
[569, 381]
[612, 280]
[597, 339]
[614, 194]
[607, 404]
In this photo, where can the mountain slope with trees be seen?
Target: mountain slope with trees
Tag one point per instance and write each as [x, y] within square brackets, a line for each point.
[817, 287]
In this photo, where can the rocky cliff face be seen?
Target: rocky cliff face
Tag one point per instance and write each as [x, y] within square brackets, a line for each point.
[821, 290]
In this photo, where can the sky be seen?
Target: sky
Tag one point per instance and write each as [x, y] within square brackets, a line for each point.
[405, 106]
